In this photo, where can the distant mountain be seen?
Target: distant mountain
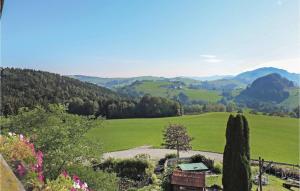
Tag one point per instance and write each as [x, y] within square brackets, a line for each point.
[218, 82]
[114, 82]
[211, 78]
[271, 88]
[222, 84]
[249, 76]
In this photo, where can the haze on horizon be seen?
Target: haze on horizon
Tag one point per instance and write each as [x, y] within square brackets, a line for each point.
[151, 38]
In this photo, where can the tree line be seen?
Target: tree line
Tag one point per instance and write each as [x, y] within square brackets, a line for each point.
[29, 88]
[147, 106]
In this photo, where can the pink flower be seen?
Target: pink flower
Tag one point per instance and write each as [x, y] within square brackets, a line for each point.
[75, 178]
[41, 177]
[64, 173]
[39, 157]
[73, 189]
[21, 170]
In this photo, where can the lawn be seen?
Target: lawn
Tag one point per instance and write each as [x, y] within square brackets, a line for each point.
[273, 138]
[275, 184]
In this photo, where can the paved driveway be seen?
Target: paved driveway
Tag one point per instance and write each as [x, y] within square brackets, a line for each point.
[159, 153]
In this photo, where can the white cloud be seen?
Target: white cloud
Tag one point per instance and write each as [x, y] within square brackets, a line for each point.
[213, 60]
[208, 56]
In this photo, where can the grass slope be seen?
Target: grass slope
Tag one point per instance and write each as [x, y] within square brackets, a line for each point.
[273, 138]
[293, 100]
[159, 88]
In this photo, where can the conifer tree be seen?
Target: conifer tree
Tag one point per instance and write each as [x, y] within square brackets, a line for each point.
[236, 158]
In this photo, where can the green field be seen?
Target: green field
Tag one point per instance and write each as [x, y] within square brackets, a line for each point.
[292, 100]
[273, 138]
[159, 88]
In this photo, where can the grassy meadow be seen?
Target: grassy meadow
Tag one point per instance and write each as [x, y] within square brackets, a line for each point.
[273, 138]
[159, 89]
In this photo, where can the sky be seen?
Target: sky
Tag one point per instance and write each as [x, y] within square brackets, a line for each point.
[124, 38]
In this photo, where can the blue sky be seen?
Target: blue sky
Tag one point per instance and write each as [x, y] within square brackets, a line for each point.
[124, 38]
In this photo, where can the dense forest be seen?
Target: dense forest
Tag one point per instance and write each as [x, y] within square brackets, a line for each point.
[269, 88]
[29, 88]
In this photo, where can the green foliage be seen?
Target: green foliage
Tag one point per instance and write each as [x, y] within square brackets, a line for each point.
[143, 156]
[61, 183]
[170, 155]
[152, 187]
[166, 179]
[176, 137]
[61, 136]
[96, 180]
[158, 107]
[167, 156]
[218, 168]
[135, 169]
[236, 157]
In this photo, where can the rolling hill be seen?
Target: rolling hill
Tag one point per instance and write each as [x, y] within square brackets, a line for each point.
[216, 88]
[171, 90]
[114, 82]
[27, 88]
[272, 89]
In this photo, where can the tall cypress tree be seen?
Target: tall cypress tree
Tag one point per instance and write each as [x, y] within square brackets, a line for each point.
[236, 158]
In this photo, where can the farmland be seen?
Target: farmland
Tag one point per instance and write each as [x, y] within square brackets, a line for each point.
[273, 138]
[162, 89]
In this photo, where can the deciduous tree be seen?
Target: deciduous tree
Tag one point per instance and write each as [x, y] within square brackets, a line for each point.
[176, 137]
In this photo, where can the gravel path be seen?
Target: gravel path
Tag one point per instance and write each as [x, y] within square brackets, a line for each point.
[159, 153]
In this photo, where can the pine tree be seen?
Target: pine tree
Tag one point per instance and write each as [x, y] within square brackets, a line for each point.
[236, 158]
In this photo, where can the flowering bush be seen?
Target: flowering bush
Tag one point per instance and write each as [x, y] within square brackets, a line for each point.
[26, 163]
[65, 183]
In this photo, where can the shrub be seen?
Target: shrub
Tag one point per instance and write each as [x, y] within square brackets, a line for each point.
[97, 180]
[65, 183]
[132, 168]
[135, 169]
[142, 156]
[166, 179]
[171, 155]
[167, 156]
[60, 184]
[217, 168]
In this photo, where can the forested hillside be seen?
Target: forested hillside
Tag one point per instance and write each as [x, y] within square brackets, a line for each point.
[270, 88]
[272, 94]
[27, 88]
